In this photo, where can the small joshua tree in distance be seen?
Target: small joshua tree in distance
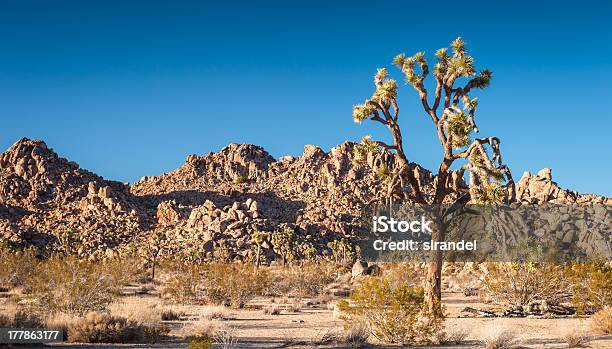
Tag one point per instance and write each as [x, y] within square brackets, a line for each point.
[453, 115]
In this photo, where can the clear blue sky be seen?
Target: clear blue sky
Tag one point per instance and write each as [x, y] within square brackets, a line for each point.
[128, 90]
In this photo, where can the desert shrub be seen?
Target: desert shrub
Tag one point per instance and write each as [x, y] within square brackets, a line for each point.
[5, 321]
[169, 314]
[356, 336]
[451, 336]
[182, 286]
[342, 251]
[499, 338]
[142, 310]
[72, 286]
[601, 322]
[104, 328]
[306, 280]
[577, 339]
[272, 310]
[200, 342]
[217, 283]
[394, 314]
[591, 286]
[295, 307]
[226, 337]
[310, 279]
[233, 284]
[16, 266]
[217, 312]
[523, 283]
[20, 319]
[399, 273]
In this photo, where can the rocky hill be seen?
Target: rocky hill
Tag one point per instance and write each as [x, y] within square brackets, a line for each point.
[43, 195]
[212, 202]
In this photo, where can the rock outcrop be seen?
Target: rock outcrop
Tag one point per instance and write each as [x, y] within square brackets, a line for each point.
[44, 196]
[541, 189]
[212, 201]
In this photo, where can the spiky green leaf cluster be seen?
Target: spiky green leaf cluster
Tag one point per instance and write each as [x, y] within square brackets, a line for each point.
[472, 104]
[381, 75]
[458, 46]
[369, 145]
[386, 91]
[361, 150]
[382, 172]
[462, 66]
[498, 176]
[459, 128]
[363, 111]
[483, 79]
[477, 160]
[492, 194]
[407, 66]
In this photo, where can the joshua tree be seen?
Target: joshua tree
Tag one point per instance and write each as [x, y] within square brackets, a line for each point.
[259, 238]
[153, 249]
[284, 244]
[452, 113]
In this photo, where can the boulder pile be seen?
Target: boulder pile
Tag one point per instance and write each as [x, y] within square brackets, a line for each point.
[218, 199]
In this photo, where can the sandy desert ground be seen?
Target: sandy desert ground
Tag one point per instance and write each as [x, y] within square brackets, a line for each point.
[304, 329]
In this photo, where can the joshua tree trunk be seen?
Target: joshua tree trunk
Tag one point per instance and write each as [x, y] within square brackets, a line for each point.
[257, 258]
[433, 290]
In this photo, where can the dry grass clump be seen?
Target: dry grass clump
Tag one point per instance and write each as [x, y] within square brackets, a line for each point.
[577, 339]
[215, 312]
[142, 310]
[452, 336]
[172, 314]
[295, 307]
[499, 338]
[272, 310]
[601, 322]
[104, 328]
[356, 336]
[61, 321]
[200, 327]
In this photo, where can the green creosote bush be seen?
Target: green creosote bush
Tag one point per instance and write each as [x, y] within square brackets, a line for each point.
[16, 267]
[76, 287]
[217, 283]
[200, 342]
[306, 280]
[591, 286]
[393, 314]
[522, 283]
